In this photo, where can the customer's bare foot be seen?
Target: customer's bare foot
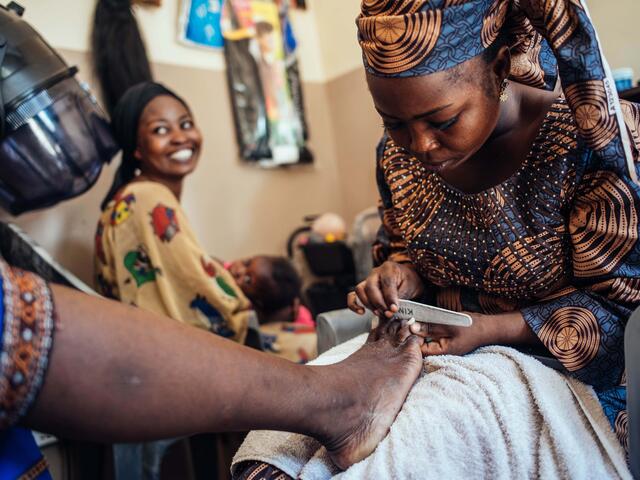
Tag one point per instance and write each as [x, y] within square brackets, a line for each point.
[370, 388]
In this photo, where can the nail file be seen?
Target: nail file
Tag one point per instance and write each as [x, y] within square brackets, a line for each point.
[429, 314]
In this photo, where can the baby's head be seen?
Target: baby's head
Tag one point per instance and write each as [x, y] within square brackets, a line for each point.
[271, 283]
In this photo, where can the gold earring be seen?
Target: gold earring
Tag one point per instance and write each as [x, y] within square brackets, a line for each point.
[504, 95]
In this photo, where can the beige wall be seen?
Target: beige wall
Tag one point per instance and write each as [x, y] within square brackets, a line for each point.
[357, 128]
[339, 49]
[617, 24]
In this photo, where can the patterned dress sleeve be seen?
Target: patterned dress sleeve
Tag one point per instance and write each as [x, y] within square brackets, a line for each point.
[390, 243]
[26, 326]
[583, 325]
[160, 266]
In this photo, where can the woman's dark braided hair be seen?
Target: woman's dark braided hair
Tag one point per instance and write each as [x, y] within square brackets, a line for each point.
[119, 61]
[118, 52]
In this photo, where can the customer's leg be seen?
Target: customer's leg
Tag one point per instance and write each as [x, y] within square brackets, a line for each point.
[154, 378]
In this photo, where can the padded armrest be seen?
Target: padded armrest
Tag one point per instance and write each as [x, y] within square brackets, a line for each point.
[338, 326]
[632, 362]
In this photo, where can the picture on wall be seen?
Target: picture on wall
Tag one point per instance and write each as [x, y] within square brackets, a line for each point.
[200, 23]
[264, 82]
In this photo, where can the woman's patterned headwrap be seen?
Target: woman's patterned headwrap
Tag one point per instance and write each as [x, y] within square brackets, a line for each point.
[548, 38]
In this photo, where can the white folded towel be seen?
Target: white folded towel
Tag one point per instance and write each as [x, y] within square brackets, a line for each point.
[493, 414]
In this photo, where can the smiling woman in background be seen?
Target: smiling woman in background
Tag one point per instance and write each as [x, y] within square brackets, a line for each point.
[146, 253]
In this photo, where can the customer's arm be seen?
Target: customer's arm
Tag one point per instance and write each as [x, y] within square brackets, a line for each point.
[91, 368]
[121, 373]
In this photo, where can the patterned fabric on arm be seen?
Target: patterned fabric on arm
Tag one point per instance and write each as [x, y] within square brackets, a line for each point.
[389, 244]
[584, 327]
[259, 471]
[27, 323]
[27, 337]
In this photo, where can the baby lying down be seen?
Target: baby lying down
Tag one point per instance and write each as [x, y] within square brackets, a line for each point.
[273, 286]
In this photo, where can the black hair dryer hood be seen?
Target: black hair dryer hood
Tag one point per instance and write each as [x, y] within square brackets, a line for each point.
[54, 138]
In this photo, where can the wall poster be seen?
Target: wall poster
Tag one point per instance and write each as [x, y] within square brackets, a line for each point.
[264, 82]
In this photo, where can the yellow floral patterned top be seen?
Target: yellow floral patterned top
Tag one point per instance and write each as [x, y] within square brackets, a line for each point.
[147, 255]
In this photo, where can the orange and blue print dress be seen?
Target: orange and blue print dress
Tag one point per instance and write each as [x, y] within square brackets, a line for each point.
[147, 255]
[26, 337]
[558, 241]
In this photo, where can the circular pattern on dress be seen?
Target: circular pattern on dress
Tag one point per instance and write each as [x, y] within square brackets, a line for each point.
[572, 335]
[588, 100]
[621, 426]
[397, 44]
[588, 116]
[603, 225]
[389, 29]
[567, 339]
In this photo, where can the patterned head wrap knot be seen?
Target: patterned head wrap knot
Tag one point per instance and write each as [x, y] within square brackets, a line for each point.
[548, 39]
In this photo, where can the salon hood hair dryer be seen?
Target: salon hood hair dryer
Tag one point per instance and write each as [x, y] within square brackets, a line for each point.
[54, 138]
